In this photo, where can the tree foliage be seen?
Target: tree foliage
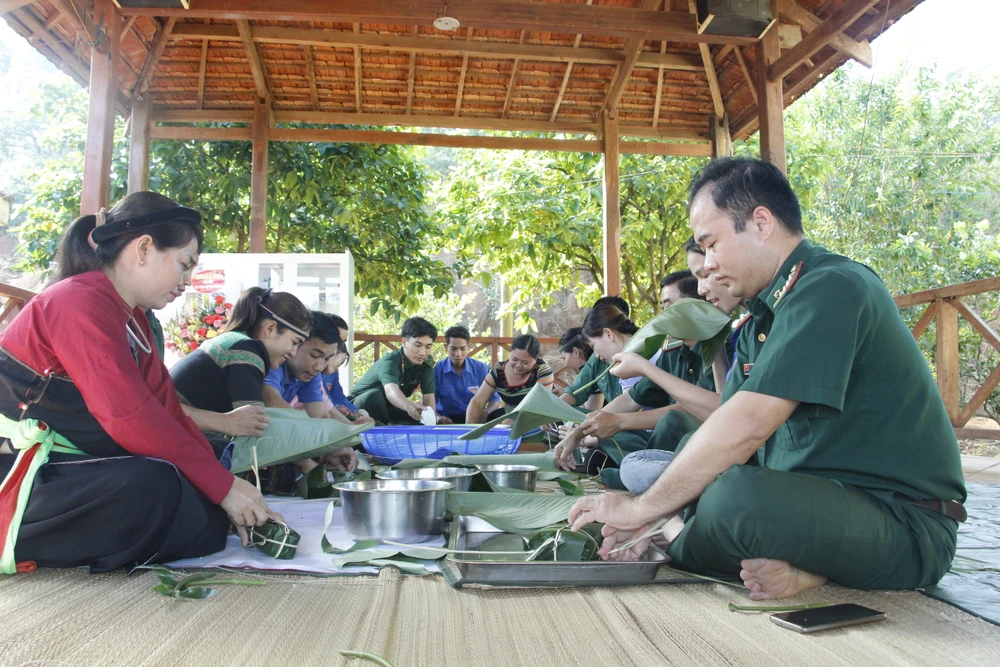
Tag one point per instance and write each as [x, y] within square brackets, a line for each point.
[535, 219]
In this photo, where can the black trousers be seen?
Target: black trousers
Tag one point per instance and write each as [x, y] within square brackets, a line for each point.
[107, 513]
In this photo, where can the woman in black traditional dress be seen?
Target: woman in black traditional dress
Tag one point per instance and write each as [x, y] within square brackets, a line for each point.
[109, 471]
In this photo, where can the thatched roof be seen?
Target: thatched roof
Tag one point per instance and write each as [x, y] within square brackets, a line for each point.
[509, 65]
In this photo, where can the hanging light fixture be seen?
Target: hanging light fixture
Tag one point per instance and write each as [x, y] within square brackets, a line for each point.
[445, 22]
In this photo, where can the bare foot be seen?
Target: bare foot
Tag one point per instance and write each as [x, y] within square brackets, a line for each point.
[770, 579]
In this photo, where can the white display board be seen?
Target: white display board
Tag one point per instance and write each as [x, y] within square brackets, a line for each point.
[323, 282]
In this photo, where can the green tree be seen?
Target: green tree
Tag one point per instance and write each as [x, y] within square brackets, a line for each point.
[535, 219]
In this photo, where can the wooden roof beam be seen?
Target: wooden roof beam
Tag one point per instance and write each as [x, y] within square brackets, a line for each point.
[11, 5]
[202, 69]
[566, 75]
[860, 50]
[256, 67]
[741, 59]
[838, 21]
[624, 74]
[428, 139]
[155, 53]
[513, 79]
[71, 64]
[539, 52]
[411, 77]
[166, 115]
[489, 14]
[311, 76]
[357, 72]
[461, 77]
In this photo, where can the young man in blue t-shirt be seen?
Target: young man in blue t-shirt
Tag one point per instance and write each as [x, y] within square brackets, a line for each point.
[458, 377]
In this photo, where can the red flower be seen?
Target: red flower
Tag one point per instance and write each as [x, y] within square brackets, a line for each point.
[193, 345]
[219, 299]
[227, 306]
[201, 332]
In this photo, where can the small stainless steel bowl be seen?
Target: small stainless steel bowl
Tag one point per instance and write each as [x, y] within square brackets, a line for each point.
[512, 476]
[394, 509]
[460, 477]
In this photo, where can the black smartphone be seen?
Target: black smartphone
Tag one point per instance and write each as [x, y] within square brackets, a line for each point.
[825, 618]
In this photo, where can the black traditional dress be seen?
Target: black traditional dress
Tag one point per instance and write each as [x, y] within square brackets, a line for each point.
[147, 484]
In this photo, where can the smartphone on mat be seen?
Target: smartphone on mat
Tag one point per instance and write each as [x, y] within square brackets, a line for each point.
[826, 618]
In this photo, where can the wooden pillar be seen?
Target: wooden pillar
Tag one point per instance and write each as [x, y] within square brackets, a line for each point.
[138, 148]
[722, 141]
[612, 208]
[947, 358]
[770, 105]
[258, 176]
[101, 113]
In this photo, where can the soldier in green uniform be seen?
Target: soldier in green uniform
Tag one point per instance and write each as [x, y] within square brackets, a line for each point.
[855, 473]
[384, 391]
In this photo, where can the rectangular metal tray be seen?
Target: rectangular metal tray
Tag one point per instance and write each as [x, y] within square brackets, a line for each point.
[469, 533]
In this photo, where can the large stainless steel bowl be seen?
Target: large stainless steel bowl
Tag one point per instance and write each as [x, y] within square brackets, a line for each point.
[394, 509]
[512, 476]
[460, 477]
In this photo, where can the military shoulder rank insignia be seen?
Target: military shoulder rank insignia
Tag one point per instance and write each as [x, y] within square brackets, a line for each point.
[793, 277]
[672, 345]
[743, 320]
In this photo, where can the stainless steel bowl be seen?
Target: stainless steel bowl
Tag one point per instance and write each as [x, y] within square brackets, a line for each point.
[512, 476]
[460, 477]
[394, 509]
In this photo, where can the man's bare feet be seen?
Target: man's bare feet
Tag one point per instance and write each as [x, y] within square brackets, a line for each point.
[770, 579]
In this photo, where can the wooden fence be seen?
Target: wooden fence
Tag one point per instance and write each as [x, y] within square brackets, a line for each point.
[945, 305]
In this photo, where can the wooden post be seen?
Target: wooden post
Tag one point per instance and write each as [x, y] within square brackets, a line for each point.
[947, 358]
[101, 113]
[138, 149]
[258, 176]
[770, 104]
[722, 142]
[612, 207]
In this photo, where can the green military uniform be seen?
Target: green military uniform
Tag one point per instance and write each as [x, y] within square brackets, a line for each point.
[609, 385]
[157, 329]
[394, 368]
[831, 489]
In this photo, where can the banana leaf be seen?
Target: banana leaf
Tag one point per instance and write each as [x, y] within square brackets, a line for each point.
[538, 408]
[559, 543]
[292, 435]
[521, 513]
[687, 319]
[374, 553]
[275, 539]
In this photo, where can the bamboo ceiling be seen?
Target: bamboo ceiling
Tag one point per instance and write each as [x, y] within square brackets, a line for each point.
[380, 62]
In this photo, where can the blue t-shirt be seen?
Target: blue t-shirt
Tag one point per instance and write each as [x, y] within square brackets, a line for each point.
[331, 384]
[454, 392]
[289, 386]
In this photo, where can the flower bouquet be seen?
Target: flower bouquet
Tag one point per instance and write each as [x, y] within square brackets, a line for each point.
[201, 318]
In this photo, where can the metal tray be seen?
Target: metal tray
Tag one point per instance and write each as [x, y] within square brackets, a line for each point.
[469, 533]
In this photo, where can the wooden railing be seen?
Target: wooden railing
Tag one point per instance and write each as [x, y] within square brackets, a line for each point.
[14, 299]
[945, 304]
[476, 344]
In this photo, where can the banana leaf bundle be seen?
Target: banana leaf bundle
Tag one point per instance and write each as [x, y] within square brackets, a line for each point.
[538, 408]
[560, 543]
[275, 539]
[292, 435]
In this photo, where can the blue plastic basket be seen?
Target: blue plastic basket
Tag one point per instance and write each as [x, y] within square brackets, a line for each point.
[394, 443]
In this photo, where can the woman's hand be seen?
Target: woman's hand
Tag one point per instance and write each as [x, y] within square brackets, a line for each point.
[342, 459]
[245, 507]
[246, 420]
[631, 365]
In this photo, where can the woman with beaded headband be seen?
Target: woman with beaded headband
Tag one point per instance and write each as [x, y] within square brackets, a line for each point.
[101, 465]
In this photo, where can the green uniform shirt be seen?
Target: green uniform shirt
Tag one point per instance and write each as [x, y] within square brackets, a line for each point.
[680, 361]
[827, 333]
[395, 368]
[609, 385]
